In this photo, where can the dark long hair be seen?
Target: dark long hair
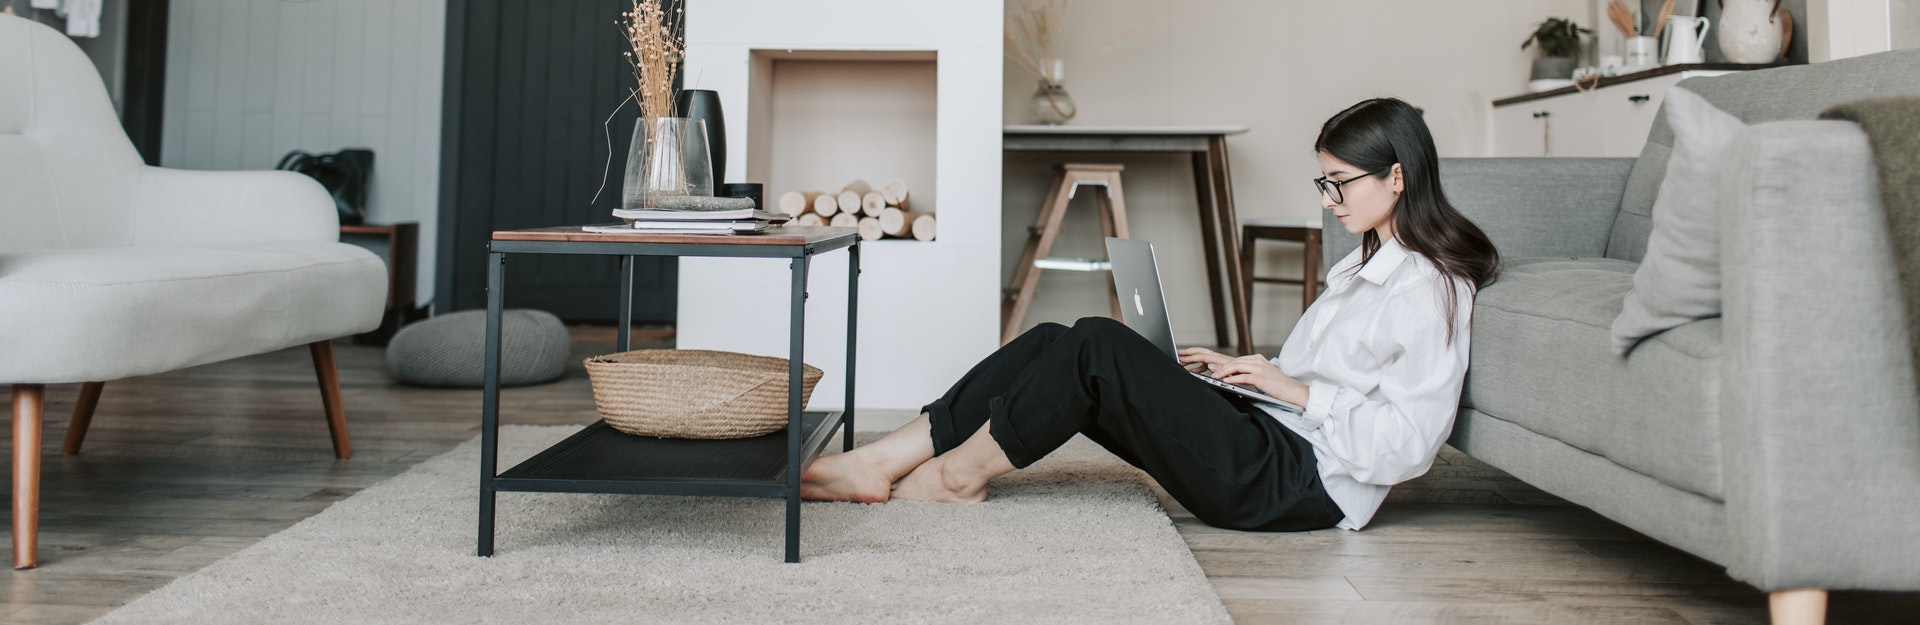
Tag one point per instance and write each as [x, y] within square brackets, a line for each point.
[1378, 133]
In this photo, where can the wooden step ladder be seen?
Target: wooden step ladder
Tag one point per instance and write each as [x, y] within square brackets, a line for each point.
[1067, 180]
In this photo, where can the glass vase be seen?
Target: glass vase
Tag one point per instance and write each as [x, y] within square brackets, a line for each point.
[1052, 105]
[667, 157]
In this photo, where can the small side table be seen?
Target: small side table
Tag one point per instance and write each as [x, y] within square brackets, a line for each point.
[397, 244]
[600, 459]
[1306, 233]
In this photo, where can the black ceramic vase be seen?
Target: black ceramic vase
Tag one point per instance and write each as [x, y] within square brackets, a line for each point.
[705, 105]
[749, 190]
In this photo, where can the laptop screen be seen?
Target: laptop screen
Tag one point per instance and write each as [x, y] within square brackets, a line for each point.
[1143, 306]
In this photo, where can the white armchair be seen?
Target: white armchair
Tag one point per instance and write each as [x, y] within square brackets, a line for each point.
[111, 269]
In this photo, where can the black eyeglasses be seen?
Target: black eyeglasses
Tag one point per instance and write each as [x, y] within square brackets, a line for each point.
[1331, 188]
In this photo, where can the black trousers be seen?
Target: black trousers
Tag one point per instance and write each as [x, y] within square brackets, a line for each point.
[1223, 458]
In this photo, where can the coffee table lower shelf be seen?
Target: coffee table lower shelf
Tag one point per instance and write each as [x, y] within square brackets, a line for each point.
[600, 459]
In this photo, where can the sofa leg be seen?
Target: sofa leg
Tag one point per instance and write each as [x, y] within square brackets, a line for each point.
[28, 405]
[82, 417]
[1800, 606]
[330, 397]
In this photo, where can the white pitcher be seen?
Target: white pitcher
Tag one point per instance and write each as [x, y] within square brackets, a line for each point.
[1750, 31]
[1686, 37]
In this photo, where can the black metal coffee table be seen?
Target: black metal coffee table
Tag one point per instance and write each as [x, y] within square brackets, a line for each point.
[600, 459]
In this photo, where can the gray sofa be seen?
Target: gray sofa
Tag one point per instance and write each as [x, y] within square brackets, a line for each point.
[1781, 439]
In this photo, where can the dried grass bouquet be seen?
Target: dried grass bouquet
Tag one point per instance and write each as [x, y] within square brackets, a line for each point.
[655, 51]
[1032, 37]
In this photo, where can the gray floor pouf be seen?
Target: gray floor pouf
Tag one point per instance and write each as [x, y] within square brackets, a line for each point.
[446, 350]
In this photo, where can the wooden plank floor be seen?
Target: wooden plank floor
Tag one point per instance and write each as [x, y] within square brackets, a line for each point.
[184, 468]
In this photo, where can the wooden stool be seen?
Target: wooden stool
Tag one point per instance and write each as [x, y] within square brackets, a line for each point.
[1067, 179]
[1307, 233]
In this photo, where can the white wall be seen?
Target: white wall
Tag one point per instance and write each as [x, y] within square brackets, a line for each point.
[1905, 15]
[249, 80]
[1281, 67]
[1838, 29]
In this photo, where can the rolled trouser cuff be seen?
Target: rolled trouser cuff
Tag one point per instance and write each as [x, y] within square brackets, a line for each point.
[1008, 436]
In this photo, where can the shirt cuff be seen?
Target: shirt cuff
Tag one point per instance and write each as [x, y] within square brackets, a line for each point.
[1319, 402]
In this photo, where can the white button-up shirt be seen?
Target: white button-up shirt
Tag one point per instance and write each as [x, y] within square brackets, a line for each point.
[1384, 382]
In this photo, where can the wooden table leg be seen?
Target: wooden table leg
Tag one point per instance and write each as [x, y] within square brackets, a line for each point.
[1223, 202]
[1246, 259]
[1203, 177]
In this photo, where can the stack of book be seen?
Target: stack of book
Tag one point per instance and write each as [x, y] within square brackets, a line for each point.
[673, 221]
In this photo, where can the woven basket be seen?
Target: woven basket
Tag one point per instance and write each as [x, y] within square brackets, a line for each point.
[690, 393]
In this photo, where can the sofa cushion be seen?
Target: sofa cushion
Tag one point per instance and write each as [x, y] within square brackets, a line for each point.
[1795, 92]
[1679, 280]
[96, 314]
[1541, 359]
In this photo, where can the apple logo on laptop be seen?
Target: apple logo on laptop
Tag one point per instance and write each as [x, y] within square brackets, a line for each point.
[1138, 308]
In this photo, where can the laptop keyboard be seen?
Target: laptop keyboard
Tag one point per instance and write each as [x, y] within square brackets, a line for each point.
[1220, 383]
[1232, 388]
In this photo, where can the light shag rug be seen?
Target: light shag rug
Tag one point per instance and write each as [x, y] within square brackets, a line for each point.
[1076, 538]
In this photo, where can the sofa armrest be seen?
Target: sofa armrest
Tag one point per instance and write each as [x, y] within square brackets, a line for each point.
[1528, 206]
[188, 207]
[1820, 424]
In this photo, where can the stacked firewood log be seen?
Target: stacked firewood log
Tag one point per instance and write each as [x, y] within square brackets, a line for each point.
[878, 213]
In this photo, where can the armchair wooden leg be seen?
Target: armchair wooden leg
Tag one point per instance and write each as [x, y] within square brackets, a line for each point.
[82, 417]
[1801, 606]
[28, 404]
[330, 397]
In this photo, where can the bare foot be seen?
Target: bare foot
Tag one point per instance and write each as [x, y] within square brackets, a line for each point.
[844, 477]
[928, 482]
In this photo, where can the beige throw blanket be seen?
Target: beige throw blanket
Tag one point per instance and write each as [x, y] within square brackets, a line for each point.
[1893, 130]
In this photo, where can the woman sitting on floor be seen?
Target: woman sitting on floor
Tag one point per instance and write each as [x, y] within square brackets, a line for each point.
[1377, 362]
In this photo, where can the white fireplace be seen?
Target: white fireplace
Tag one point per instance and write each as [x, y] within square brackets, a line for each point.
[818, 94]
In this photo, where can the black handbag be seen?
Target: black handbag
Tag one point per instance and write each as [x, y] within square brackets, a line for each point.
[345, 174]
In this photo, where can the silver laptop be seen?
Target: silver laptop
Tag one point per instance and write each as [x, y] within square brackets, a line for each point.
[1136, 278]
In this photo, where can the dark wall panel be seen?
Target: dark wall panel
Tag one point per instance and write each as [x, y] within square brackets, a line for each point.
[537, 79]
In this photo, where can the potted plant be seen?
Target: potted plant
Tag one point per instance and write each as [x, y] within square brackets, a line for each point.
[1559, 40]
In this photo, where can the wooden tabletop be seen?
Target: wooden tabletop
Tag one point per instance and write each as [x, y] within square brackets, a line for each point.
[781, 235]
[1064, 129]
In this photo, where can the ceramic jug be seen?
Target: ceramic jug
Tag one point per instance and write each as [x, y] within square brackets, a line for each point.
[1686, 36]
[1750, 31]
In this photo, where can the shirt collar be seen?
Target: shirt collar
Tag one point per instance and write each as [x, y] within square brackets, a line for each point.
[1384, 261]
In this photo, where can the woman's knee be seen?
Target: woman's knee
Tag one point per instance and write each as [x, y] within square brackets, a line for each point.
[1050, 330]
[1100, 325]
[1107, 336]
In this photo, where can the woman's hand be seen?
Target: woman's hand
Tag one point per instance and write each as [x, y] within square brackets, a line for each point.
[1203, 360]
[1253, 370]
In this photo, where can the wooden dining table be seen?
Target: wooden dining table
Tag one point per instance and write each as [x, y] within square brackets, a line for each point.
[1213, 193]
